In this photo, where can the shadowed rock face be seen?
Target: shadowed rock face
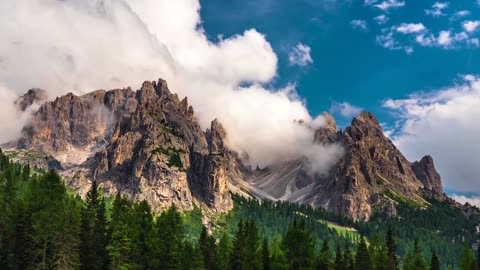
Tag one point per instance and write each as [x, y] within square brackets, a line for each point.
[34, 95]
[148, 145]
[426, 173]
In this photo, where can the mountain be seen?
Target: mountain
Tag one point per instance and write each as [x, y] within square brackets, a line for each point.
[145, 143]
[372, 174]
[148, 145]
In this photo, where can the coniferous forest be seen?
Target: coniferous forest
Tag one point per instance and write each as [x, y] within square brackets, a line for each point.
[44, 225]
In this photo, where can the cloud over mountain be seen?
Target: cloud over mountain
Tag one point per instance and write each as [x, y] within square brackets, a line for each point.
[79, 46]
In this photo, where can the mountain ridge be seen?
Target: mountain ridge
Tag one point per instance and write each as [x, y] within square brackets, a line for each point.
[148, 144]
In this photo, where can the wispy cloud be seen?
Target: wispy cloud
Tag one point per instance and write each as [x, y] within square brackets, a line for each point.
[300, 55]
[370, 2]
[408, 28]
[388, 4]
[345, 109]
[437, 9]
[381, 19]
[459, 14]
[359, 24]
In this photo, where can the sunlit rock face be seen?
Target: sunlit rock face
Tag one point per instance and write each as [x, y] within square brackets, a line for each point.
[148, 144]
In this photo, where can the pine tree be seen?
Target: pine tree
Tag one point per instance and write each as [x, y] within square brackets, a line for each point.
[434, 263]
[208, 249]
[362, 257]
[46, 205]
[23, 232]
[93, 253]
[348, 258]
[224, 251]
[339, 263]
[416, 260]
[169, 228]
[252, 247]
[299, 246]
[237, 261]
[265, 255]
[67, 241]
[391, 249]
[466, 259]
[278, 259]
[324, 261]
[141, 232]
[119, 248]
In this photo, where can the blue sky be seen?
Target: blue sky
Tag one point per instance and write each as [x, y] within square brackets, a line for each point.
[349, 63]
[367, 53]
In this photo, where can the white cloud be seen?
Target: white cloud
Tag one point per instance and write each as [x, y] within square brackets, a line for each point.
[444, 38]
[345, 109]
[300, 55]
[408, 28]
[460, 14]
[444, 124]
[381, 19]
[470, 26]
[388, 41]
[359, 24]
[388, 4]
[77, 46]
[369, 2]
[425, 40]
[437, 9]
[464, 199]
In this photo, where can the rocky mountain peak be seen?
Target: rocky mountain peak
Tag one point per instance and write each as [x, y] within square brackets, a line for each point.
[149, 145]
[428, 175]
[327, 133]
[146, 144]
[34, 95]
[330, 122]
[215, 137]
[366, 122]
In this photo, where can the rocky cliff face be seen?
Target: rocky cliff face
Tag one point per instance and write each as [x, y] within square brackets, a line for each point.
[371, 175]
[146, 144]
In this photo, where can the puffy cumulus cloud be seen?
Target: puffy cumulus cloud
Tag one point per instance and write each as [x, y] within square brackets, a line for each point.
[444, 124]
[300, 55]
[470, 26]
[80, 46]
[444, 38]
[437, 9]
[389, 4]
[408, 28]
[360, 24]
[346, 109]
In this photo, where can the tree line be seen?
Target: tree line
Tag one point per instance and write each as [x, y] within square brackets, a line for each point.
[44, 225]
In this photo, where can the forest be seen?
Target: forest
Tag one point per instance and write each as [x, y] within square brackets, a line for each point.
[45, 225]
